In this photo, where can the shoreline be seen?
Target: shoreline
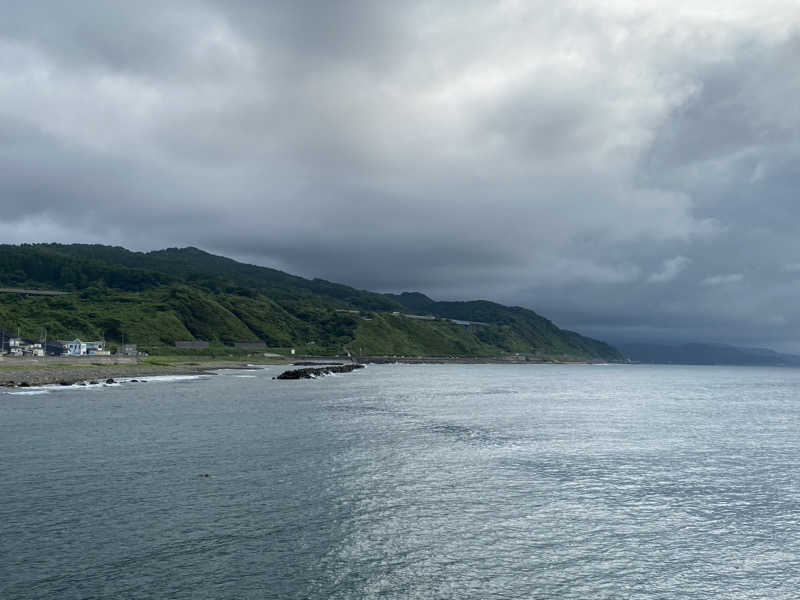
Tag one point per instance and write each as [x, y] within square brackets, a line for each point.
[469, 360]
[48, 373]
[53, 372]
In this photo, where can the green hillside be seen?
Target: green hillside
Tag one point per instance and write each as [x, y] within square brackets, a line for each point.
[513, 328]
[157, 298]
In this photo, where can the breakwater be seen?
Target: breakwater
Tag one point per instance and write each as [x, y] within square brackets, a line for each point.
[313, 372]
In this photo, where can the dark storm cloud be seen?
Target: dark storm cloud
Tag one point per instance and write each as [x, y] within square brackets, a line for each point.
[626, 168]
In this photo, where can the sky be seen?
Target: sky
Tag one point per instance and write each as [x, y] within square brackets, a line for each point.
[628, 169]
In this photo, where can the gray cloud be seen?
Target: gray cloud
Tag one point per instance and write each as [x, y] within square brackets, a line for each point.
[723, 279]
[611, 165]
[670, 269]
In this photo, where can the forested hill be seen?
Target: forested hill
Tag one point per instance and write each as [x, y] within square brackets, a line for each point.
[157, 298]
[509, 324]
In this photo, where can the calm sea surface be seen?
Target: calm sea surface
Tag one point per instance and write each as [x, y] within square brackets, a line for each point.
[437, 481]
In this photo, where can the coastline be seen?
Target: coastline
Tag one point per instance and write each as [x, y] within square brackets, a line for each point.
[470, 360]
[54, 371]
[51, 372]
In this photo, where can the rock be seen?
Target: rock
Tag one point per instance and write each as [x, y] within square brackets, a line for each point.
[23, 384]
[310, 373]
[93, 382]
[63, 382]
[110, 380]
[306, 363]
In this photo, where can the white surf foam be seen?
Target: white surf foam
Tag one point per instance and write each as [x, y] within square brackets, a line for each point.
[161, 378]
[55, 387]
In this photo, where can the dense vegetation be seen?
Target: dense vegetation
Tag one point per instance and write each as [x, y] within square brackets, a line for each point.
[157, 298]
[513, 328]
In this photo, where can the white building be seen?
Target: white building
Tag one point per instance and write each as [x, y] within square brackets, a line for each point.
[18, 348]
[75, 348]
[79, 348]
[36, 350]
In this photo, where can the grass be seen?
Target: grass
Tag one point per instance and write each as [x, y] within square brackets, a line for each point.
[159, 298]
[200, 360]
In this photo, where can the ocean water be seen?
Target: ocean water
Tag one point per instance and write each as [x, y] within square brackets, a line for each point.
[398, 481]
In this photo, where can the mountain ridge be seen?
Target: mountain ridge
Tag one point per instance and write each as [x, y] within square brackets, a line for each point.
[704, 353]
[156, 298]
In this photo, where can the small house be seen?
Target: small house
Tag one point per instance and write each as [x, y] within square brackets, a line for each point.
[97, 349]
[75, 348]
[128, 350]
[35, 350]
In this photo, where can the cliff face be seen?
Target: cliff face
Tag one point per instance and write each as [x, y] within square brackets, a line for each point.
[157, 298]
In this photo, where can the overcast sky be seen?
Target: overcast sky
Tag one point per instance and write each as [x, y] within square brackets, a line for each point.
[629, 169]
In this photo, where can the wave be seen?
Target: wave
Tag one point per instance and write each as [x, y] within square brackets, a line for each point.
[55, 387]
[86, 385]
[162, 378]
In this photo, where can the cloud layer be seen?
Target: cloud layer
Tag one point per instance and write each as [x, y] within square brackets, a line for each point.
[627, 168]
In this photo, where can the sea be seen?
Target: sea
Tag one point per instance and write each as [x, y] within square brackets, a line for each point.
[406, 481]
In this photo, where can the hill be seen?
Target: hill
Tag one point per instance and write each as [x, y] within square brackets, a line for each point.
[513, 328]
[705, 354]
[157, 298]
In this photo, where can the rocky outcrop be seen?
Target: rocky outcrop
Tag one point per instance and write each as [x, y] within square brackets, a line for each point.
[311, 372]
